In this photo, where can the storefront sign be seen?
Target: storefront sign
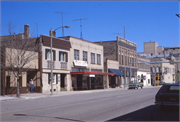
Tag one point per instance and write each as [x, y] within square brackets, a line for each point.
[80, 63]
[91, 75]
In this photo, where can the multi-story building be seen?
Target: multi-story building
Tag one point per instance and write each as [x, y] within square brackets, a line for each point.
[124, 52]
[161, 71]
[143, 71]
[152, 48]
[87, 69]
[61, 63]
[31, 68]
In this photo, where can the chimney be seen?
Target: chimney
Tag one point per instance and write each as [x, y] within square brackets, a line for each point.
[26, 31]
[14, 37]
[53, 33]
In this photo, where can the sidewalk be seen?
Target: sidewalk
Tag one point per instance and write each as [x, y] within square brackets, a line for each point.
[60, 93]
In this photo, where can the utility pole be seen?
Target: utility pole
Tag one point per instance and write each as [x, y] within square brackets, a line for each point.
[80, 25]
[62, 21]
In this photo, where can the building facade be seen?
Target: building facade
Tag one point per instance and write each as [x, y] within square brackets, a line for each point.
[61, 64]
[87, 69]
[124, 52]
[143, 71]
[11, 48]
[161, 71]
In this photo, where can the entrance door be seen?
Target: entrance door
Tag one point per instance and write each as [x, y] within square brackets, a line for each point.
[63, 85]
[79, 82]
[7, 84]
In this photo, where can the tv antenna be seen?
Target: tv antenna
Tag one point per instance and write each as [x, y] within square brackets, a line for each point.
[80, 24]
[121, 33]
[62, 21]
[36, 27]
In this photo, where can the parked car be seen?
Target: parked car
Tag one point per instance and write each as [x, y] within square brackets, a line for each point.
[135, 85]
[162, 83]
[168, 95]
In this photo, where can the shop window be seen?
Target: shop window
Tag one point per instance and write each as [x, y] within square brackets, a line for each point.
[55, 81]
[98, 59]
[92, 58]
[76, 54]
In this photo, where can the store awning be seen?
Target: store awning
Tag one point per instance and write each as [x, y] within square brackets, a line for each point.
[96, 73]
[116, 71]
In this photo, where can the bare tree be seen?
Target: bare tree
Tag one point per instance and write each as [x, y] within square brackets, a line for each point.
[11, 28]
[19, 56]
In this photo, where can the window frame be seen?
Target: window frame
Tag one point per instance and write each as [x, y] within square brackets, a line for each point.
[85, 57]
[76, 54]
[92, 59]
[99, 57]
[49, 57]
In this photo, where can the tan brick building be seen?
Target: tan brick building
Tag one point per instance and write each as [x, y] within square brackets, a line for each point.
[124, 52]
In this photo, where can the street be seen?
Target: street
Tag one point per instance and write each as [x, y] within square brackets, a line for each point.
[111, 105]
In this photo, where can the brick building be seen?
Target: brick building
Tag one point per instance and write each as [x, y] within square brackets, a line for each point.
[124, 52]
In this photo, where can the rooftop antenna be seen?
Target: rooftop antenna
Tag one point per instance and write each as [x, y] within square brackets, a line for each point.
[80, 25]
[62, 21]
[36, 27]
[121, 33]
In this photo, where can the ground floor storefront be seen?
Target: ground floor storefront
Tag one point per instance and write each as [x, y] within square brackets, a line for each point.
[61, 80]
[144, 77]
[88, 80]
[9, 82]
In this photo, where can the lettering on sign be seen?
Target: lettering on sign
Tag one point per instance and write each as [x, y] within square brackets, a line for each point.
[80, 63]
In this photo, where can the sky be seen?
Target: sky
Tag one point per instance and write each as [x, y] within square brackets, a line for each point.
[144, 21]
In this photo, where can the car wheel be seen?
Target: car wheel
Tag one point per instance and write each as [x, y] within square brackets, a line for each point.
[137, 87]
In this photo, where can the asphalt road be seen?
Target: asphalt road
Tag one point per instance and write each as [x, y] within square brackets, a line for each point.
[112, 105]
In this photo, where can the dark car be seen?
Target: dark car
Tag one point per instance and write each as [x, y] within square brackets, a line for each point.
[168, 95]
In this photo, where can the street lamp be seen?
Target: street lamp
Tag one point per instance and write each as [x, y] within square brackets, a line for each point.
[178, 15]
[51, 57]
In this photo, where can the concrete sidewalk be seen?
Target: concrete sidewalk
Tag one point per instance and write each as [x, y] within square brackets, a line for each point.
[60, 93]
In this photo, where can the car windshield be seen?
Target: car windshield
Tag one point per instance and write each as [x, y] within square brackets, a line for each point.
[170, 89]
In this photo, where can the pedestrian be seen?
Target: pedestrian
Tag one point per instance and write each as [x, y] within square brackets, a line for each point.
[31, 84]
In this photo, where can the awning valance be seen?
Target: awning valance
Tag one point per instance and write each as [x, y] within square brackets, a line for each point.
[100, 73]
[116, 71]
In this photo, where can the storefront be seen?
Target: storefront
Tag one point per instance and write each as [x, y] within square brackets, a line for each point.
[115, 81]
[88, 80]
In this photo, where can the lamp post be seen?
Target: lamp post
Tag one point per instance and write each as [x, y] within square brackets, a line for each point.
[125, 56]
[51, 57]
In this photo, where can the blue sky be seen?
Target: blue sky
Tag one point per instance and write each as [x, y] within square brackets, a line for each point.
[144, 21]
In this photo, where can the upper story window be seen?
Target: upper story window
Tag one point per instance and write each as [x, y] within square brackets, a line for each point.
[157, 69]
[92, 58]
[63, 56]
[84, 56]
[98, 59]
[76, 54]
[48, 54]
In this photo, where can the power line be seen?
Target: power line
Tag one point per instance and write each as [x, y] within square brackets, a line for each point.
[62, 20]
[80, 25]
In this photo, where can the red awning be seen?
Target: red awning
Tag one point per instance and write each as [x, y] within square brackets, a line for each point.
[100, 73]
